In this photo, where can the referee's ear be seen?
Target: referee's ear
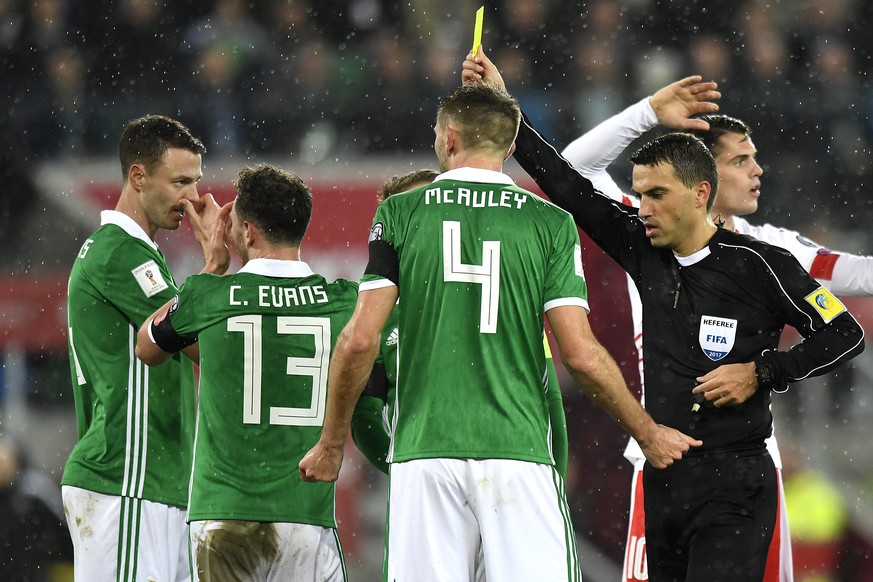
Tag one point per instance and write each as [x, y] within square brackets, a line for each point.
[702, 192]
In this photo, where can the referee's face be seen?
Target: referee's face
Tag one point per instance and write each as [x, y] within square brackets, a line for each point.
[669, 210]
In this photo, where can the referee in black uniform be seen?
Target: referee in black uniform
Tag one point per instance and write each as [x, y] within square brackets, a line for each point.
[714, 305]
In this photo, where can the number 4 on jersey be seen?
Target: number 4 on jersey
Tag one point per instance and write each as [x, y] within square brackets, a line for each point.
[487, 274]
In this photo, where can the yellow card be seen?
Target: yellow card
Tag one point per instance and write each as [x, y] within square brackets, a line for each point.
[477, 32]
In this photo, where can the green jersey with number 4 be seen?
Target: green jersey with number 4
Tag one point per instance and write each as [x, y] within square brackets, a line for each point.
[266, 335]
[477, 261]
[135, 423]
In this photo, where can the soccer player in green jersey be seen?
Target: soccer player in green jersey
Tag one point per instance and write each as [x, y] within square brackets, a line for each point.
[373, 416]
[126, 481]
[477, 261]
[265, 336]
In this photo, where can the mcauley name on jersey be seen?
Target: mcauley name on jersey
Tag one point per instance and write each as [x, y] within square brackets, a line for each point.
[475, 198]
[277, 296]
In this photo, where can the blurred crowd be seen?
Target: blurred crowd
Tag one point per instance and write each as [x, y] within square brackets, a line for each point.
[345, 78]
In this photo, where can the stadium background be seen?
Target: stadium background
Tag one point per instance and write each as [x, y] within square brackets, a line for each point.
[344, 93]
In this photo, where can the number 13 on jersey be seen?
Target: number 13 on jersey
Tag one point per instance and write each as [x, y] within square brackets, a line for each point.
[314, 367]
[487, 274]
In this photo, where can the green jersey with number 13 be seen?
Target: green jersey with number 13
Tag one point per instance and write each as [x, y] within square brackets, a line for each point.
[266, 336]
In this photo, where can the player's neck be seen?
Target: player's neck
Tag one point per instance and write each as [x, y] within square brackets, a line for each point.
[479, 161]
[275, 252]
[128, 206]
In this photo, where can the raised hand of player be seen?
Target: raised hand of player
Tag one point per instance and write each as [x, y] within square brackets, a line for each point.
[677, 102]
[205, 216]
[321, 463]
[728, 385]
[480, 68]
[666, 445]
[220, 241]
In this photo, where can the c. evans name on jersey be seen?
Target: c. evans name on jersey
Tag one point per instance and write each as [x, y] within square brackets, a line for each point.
[475, 198]
[273, 296]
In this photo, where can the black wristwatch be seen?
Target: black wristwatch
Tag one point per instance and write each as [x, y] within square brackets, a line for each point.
[767, 376]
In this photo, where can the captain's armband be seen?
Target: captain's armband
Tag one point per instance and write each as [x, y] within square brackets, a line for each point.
[162, 333]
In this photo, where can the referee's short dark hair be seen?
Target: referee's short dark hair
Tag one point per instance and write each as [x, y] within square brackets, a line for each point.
[145, 139]
[277, 201]
[692, 162]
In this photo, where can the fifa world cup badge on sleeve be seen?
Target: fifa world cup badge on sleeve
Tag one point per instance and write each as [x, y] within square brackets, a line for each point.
[148, 275]
[825, 304]
[717, 336]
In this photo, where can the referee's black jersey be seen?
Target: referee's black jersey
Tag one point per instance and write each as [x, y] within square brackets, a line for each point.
[725, 304]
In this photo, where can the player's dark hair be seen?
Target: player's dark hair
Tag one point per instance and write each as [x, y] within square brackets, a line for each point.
[692, 162]
[277, 201]
[404, 182]
[145, 139]
[486, 117]
[719, 125]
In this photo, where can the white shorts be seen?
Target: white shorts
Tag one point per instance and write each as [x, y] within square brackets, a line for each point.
[267, 552]
[441, 511]
[123, 538]
[779, 562]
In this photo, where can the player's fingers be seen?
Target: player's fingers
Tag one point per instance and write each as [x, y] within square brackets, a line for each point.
[698, 124]
[224, 211]
[192, 212]
[688, 81]
[703, 87]
[708, 94]
[705, 107]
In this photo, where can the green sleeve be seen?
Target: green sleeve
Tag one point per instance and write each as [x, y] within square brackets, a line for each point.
[564, 275]
[557, 419]
[369, 434]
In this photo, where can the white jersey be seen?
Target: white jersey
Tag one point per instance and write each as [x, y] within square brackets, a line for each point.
[592, 153]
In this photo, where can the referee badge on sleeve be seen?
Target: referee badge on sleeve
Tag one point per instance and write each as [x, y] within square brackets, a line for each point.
[148, 275]
[825, 304]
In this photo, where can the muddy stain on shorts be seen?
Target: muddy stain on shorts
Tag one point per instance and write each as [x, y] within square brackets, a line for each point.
[235, 550]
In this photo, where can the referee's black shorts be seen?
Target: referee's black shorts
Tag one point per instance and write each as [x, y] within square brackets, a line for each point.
[711, 517]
